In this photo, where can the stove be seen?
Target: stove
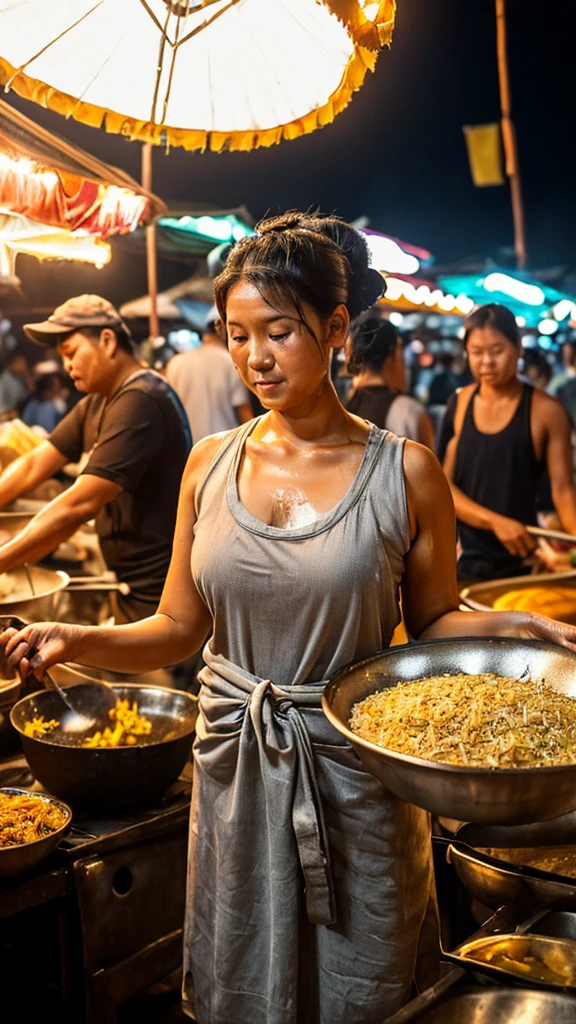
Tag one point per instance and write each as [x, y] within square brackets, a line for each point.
[116, 886]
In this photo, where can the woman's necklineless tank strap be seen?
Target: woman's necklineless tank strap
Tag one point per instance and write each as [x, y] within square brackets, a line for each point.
[325, 521]
[521, 413]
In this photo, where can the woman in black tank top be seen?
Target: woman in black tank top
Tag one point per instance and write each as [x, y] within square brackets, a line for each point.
[492, 463]
[501, 472]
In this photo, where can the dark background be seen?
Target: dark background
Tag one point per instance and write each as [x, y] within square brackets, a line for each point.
[396, 155]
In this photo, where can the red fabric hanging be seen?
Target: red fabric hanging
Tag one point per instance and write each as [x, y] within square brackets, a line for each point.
[100, 209]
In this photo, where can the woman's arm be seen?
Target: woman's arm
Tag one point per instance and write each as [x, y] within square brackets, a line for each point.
[429, 590]
[559, 461]
[511, 533]
[179, 628]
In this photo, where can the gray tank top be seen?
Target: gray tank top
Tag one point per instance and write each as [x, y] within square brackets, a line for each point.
[296, 605]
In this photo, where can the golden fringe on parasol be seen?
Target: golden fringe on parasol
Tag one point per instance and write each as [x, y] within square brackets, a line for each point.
[201, 74]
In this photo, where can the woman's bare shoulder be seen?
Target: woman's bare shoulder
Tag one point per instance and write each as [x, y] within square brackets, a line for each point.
[202, 456]
[420, 463]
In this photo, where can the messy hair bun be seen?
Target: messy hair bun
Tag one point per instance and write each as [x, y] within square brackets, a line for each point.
[372, 340]
[302, 257]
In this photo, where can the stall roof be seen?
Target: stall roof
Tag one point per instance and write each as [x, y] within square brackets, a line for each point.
[190, 300]
[527, 297]
[78, 191]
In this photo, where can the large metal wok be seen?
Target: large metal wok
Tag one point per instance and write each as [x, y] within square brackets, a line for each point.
[110, 777]
[485, 795]
[482, 596]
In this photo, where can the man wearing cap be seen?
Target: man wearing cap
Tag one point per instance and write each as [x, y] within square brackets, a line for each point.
[208, 385]
[132, 431]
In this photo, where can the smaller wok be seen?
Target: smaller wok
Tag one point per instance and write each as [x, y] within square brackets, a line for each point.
[111, 777]
[16, 860]
[494, 796]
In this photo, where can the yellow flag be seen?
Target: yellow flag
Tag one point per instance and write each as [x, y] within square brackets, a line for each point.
[484, 154]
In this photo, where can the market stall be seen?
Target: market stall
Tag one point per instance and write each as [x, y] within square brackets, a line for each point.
[59, 202]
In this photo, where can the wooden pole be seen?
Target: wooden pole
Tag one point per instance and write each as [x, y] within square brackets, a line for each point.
[151, 264]
[509, 138]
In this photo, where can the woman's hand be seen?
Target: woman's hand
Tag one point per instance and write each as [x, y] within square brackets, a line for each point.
[531, 626]
[37, 647]
[513, 535]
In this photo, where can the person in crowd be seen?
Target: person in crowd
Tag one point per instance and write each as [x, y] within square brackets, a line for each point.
[134, 436]
[566, 394]
[15, 384]
[206, 380]
[375, 358]
[309, 884]
[443, 383]
[452, 373]
[46, 406]
[497, 438]
[567, 370]
[537, 370]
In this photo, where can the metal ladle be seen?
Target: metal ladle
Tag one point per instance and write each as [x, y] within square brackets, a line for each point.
[94, 703]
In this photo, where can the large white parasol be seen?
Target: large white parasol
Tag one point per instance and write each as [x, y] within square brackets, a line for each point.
[200, 74]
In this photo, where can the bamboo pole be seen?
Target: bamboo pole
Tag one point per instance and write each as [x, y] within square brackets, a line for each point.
[509, 138]
[151, 264]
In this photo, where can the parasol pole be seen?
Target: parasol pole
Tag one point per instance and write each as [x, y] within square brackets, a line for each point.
[151, 264]
[509, 138]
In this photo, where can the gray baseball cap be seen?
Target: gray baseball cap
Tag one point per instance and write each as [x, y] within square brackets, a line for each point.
[81, 311]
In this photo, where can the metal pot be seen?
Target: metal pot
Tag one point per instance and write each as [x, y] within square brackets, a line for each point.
[111, 777]
[15, 516]
[35, 593]
[41, 594]
[486, 795]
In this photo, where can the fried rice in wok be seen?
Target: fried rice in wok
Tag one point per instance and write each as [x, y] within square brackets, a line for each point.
[474, 720]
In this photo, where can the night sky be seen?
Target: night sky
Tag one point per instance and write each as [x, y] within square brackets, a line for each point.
[396, 155]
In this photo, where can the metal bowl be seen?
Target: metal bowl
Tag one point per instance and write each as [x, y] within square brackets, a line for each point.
[16, 860]
[495, 882]
[110, 777]
[511, 796]
[35, 593]
[481, 597]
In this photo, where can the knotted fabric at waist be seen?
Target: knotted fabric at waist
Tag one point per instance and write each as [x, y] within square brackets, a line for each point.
[273, 723]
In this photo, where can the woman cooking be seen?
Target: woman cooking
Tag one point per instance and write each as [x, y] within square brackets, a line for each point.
[309, 885]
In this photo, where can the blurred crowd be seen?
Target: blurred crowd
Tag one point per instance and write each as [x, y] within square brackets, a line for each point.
[39, 395]
[389, 376]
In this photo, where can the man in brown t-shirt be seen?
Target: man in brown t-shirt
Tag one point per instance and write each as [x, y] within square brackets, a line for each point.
[135, 434]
